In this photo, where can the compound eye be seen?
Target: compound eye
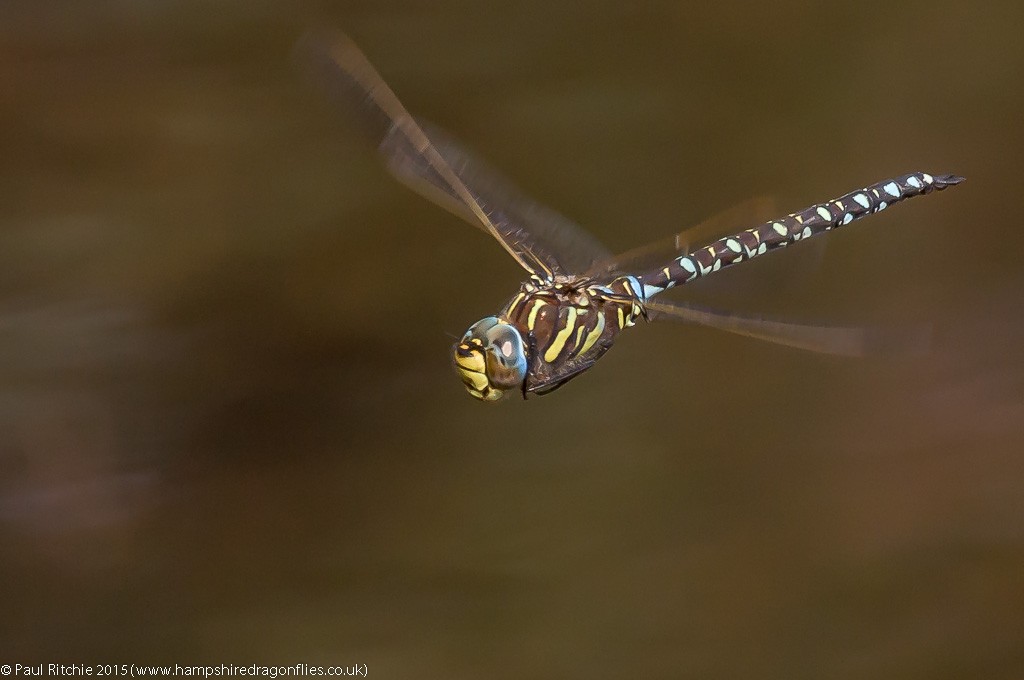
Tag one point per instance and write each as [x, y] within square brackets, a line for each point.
[505, 339]
[506, 361]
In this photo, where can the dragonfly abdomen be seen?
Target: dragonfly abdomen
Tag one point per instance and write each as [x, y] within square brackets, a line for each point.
[795, 227]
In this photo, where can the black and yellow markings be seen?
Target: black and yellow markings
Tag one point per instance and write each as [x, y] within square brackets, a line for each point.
[532, 319]
[516, 301]
[470, 355]
[477, 381]
[594, 334]
[470, 362]
[558, 343]
[580, 330]
[632, 288]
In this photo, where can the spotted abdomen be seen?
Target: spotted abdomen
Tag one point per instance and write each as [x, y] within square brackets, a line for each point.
[795, 227]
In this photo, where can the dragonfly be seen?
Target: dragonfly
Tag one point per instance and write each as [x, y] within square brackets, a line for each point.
[577, 296]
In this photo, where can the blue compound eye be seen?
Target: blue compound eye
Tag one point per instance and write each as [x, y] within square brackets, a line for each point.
[506, 359]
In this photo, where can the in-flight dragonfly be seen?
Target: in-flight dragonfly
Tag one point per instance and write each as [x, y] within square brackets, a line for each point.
[578, 297]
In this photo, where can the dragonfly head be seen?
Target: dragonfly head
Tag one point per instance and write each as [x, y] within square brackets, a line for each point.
[490, 359]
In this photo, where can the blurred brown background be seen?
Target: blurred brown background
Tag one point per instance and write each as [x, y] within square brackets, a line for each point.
[229, 429]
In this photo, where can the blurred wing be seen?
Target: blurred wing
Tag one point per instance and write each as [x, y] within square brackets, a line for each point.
[837, 340]
[433, 165]
[565, 246]
[745, 215]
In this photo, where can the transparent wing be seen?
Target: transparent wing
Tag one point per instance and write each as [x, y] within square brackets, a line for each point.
[564, 245]
[435, 166]
[745, 215]
[837, 340]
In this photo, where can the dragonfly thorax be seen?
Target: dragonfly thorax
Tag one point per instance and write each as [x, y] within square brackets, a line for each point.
[548, 332]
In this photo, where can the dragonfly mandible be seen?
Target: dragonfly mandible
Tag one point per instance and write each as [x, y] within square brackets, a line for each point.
[578, 297]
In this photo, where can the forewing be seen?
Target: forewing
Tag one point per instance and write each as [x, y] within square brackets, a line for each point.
[435, 166]
[565, 246]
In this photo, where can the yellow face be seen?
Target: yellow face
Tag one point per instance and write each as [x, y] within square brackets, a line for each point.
[490, 359]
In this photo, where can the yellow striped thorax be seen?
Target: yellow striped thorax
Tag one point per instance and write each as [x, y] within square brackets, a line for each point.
[547, 333]
[490, 359]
